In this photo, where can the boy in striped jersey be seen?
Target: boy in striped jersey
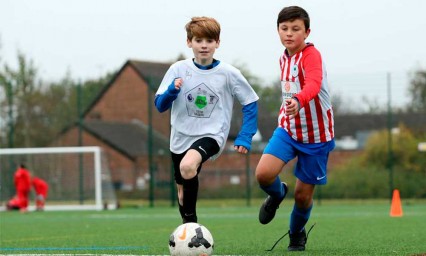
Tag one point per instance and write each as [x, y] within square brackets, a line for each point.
[305, 127]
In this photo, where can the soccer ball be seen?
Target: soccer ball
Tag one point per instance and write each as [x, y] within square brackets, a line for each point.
[191, 239]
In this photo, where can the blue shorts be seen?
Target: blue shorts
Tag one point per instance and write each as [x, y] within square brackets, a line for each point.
[311, 166]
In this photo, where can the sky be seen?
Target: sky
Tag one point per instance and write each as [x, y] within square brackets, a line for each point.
[361, 41]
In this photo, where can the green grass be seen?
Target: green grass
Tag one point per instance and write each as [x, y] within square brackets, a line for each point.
[342, 228]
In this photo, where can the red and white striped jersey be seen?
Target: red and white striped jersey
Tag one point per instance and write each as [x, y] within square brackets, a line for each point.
[303, 76]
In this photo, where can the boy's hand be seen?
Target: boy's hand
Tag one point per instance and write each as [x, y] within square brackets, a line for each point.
[241, 149]
[178, 83]
[291, 108]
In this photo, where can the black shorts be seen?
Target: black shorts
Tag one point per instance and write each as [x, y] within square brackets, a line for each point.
[207, 147]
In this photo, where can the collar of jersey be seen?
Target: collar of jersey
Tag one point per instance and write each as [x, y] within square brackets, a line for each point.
[306, 46]
[210, 66]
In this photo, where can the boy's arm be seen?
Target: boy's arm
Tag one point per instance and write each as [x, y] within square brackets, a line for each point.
[249, 126]
[164, 101]
[313, 78]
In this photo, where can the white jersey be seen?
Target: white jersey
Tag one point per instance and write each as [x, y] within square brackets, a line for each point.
[204, 105]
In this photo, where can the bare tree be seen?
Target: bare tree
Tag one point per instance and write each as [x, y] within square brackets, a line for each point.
[417, 91]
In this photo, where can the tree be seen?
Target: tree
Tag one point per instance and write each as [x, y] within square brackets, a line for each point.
[40, 110]
[404, 150]
[417, 91]
[4, 110]
[270, 97]
[19, 85]
[344, 105]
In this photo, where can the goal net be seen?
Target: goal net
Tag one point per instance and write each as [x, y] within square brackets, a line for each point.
[78, 177]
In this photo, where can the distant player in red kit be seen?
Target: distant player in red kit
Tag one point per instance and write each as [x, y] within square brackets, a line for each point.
[22, 180]
[41, 188]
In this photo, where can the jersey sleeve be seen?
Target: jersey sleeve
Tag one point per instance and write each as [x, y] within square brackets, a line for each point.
[249, 126]
[241, 89]
[164, 101]
[166, 92]
[168, 78]
[247, 97]
[312, 66]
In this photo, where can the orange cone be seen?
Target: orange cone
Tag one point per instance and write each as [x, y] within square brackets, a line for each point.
[396, 208]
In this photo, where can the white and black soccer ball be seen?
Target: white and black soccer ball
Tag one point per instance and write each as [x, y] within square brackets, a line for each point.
[191, 239]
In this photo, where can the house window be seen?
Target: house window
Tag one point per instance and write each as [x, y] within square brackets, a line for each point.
[95, 116]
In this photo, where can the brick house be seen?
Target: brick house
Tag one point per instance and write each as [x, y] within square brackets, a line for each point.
[118, 121]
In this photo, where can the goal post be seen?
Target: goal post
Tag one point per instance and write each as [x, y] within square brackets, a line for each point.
[78, 177]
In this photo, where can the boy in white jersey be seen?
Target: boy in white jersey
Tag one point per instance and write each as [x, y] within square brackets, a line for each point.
[305, 127]
[200, 92]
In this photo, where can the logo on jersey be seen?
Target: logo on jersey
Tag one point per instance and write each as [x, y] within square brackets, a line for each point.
[287, 86]
[188, 75]
[295, 71]
[190, 98]
[201, 101]
[288, 90]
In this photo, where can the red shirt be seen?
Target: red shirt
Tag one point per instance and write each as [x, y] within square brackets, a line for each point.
[40, 186]
[303, 76]
[22, 180]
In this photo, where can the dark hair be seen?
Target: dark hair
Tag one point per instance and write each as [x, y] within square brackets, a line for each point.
[22, 166]
[291, 13]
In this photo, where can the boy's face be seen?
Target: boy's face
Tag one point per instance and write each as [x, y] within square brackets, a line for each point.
[203, 49]
[293, 34]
